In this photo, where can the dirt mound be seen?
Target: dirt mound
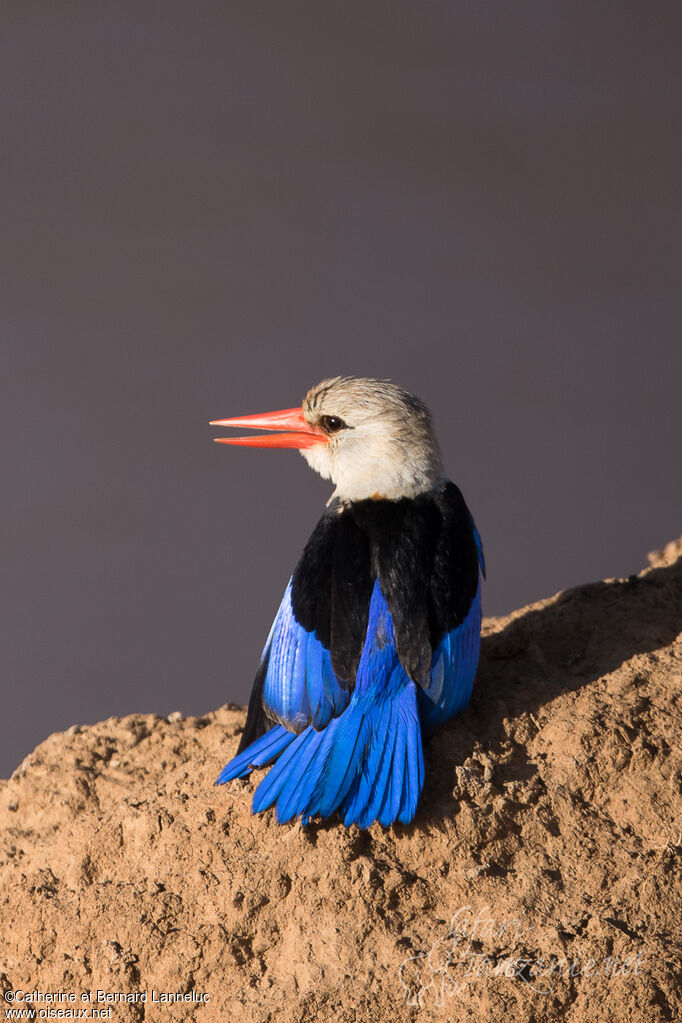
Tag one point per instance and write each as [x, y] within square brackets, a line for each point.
[538, 881]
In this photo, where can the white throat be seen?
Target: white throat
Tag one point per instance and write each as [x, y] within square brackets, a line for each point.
[382, 471]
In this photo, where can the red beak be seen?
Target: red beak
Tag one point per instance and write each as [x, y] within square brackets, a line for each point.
[302, 435]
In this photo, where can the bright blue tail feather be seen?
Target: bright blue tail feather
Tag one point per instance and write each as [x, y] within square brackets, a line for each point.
[363, 758]
[260, 753]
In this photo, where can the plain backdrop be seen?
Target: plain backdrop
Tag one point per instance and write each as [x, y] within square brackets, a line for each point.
[208, 207]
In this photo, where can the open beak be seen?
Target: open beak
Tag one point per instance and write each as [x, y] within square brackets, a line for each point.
[299, 433]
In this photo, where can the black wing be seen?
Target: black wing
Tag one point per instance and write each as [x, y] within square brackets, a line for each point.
[425, 555]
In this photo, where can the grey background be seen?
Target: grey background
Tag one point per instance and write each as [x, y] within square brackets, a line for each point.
[208, 207]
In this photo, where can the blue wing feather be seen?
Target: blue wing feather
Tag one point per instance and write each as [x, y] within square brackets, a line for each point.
[453, 670]
[300, 687]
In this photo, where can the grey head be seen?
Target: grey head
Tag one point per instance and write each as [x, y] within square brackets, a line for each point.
[380, 439]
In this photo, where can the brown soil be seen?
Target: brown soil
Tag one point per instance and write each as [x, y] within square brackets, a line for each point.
[539, 881]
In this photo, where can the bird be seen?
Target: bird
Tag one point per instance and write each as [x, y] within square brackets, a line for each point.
[376, 641]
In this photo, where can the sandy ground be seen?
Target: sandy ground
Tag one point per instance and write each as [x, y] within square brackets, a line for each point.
[540, 880]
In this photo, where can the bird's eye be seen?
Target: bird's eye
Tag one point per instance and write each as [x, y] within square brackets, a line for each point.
[332, 424]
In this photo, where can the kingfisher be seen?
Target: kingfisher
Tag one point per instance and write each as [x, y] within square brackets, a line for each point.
[376, 642]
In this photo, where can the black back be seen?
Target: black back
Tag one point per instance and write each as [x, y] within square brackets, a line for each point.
[423, 552]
